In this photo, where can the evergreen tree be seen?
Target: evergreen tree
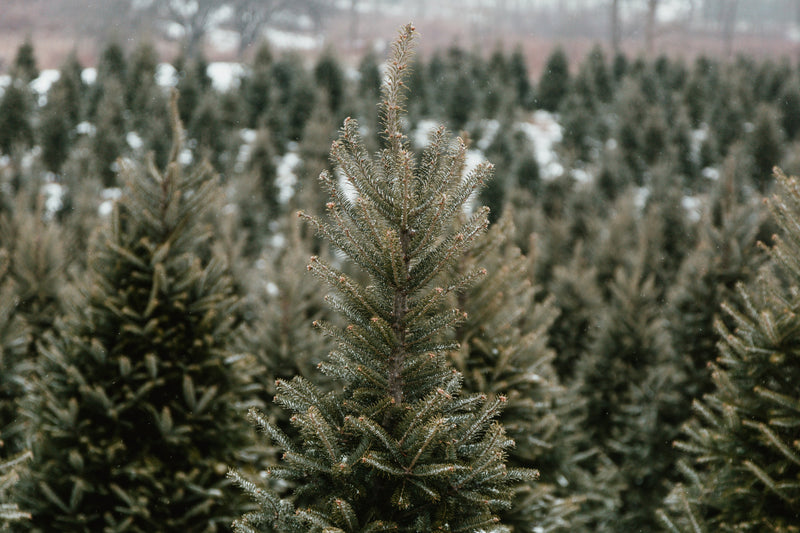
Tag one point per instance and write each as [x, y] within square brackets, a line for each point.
[555, 81]
[629, 385]
[398, 447]
[504, 351]
[766, 146]
[16, 107]
[789, 107]
[10, 512]
[257, 86]
[109, 139]
[55, 128]
[329, 77]
[24, 67]
[135, 401]
[742, 443]
[520, 78]
[14, 338]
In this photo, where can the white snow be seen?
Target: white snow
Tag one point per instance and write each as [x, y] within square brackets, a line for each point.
[286, 178]
[133, 140]
[692, 205]
[489, 129]
[225, 75]
[580, 175]
[89, 75]
[271, 288]
[53, 198]
[422, 135]
[43, 83]
[544, 131]
[86, 128]
[185, 157]
[223, 40]
[248, 135]
[283, 40]
[109, 196]
[710, 173]
[640, 196]
[166, 75]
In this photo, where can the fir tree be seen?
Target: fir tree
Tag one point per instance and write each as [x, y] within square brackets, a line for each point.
[16, 107]
[554, 83]
[504, 351]
[134, 399]
[742, 443]
[398, 447]
[329, 77]
[9, 511]
[109, 139]
[629, 385]
[257, 86]
[24, 67]
[14, 339]
[765, 144]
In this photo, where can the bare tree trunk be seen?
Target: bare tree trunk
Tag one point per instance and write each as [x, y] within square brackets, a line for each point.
[615, 27]
[729, 10]
[353, 23]
[650, 27]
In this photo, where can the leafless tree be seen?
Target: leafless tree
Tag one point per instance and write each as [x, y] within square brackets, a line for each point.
[616, 31]
[650, 27]
[729, 11]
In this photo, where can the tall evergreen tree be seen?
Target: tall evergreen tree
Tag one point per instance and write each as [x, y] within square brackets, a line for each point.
[554, 83]
[24, 67]
[741, 445]
[134, 408]
[504, 351]
[397, 447]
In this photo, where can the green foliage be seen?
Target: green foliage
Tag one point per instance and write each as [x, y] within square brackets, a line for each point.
[741, 445]
[16, 107]
[504, 351]
[398, 447]
[24, 67]
[554, 84]
[134, 405]
[10, 512]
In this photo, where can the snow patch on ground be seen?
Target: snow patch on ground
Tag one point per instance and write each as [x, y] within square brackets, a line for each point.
[133, 140]
[185, 157]
[42, 84]
[640, 196]
[225, 75]
[710, 173]
[53, 198]
[89, 75]
[286, 178]
[489, 129]
[166, 75]
[109, 196]
[421, 136]
[693, 206]
[86, 128]
[544, 131]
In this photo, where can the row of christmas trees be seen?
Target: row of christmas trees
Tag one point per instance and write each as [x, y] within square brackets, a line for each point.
[587, 345]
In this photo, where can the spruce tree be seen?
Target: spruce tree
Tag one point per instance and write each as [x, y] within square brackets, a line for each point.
[134, 405]
[24, 67]
[554, 83]
[504, 351]
[397, 447]
[741, 446]
[9, 511]
[14, 338]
